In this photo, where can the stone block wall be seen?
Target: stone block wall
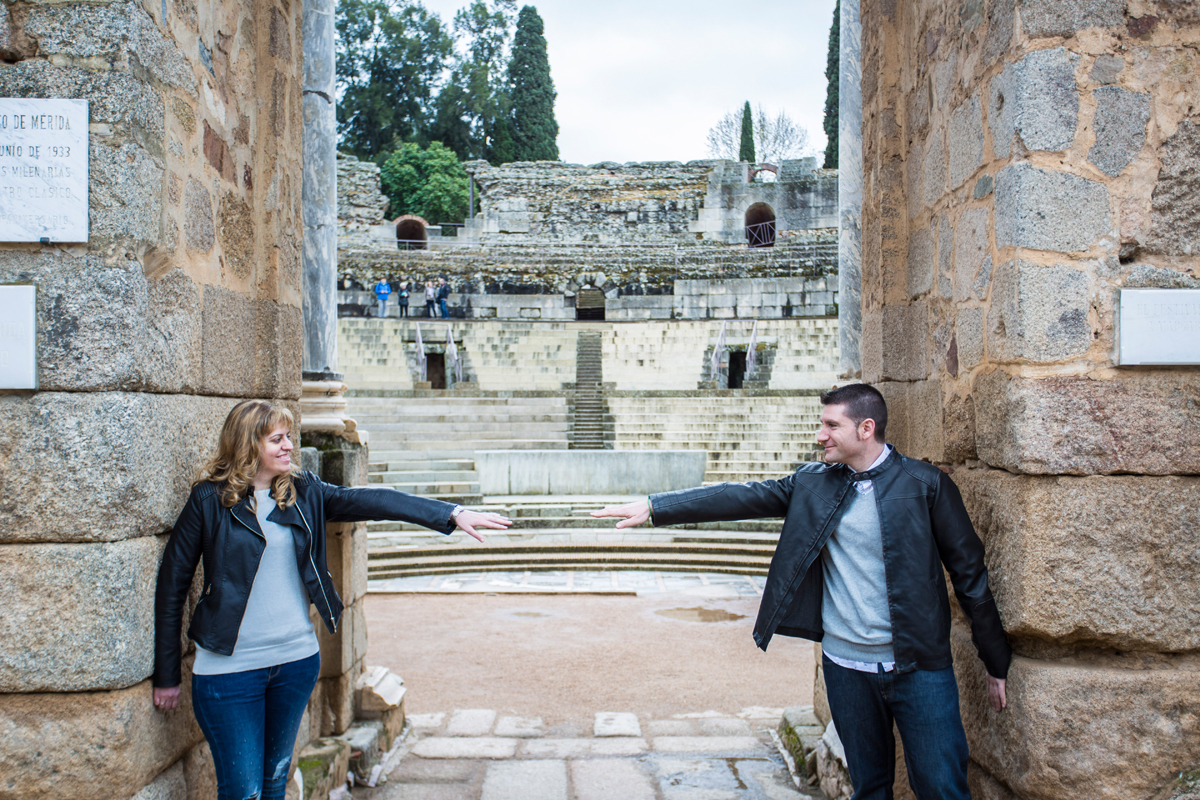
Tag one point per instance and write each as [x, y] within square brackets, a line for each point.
[1023, 161]
[185, 299]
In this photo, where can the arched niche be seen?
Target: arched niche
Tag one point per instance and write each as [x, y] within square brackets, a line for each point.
[411, 232]
[760, 225]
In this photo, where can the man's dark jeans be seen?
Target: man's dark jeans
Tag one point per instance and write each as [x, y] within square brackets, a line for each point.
[250, 721]
[924, 706]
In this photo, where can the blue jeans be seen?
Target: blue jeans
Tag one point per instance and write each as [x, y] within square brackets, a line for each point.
[250, 721]
[442, 305]
[924, 706]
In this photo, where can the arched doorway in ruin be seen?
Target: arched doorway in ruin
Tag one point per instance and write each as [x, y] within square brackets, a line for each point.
[411, 232]
[589, 304]
[760, 225]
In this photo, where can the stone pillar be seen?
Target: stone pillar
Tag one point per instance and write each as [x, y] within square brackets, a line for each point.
[1024, 162]
[319, 195]
[850, 183]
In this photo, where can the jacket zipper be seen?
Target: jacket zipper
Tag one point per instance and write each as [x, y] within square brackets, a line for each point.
[312, 544]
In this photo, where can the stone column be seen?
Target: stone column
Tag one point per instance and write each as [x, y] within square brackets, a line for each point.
[319, 195]
[850, 183]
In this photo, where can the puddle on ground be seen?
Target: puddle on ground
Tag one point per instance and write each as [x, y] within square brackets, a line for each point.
[700, 614]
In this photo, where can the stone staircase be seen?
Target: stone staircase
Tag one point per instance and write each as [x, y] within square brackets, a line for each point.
[519, 355]
[587, 419]
[748, 436]
[560, 534]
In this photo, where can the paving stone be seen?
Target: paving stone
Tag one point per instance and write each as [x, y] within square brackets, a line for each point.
[612, 723]
[420, 770]
[1120, 127]
[761, 712]
[670, 727]
[696, 779]
[465, 747]
[521, 727]
[725, 727]
[574, 748]
[526, 780]
[610, 779]
[427, 721]
[1045, 210]
[471, 722]
[706, 744]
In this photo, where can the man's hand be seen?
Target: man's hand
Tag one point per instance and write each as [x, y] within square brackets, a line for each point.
[633, 514]
[996, 693]
[166, 698]
[468, 521]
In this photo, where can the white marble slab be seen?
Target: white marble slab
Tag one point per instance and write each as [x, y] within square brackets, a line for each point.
[18, 337]
[43, 170]
[1159, 326]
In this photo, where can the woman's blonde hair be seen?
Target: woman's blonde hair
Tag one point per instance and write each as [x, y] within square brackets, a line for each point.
[239, 453]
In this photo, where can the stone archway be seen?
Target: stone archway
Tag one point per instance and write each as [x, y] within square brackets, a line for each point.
[411, 233]
[760, 225]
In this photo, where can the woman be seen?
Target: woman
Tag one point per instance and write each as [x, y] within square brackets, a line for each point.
[403, 299]
[429, 298]
[258, 526]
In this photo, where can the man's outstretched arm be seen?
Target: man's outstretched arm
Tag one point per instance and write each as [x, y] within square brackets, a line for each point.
[631, 514]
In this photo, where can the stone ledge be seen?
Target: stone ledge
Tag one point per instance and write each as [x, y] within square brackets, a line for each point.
[1094, 561]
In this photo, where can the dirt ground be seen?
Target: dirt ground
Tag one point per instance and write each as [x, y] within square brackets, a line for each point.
[563, 658]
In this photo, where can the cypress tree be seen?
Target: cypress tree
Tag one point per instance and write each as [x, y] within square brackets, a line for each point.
[533, 127]
[832, 71]
[746, 151]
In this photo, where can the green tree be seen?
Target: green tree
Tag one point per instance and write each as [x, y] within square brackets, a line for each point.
[429, 182]
[476, 97]
[832, 72]
[746, 151]
[390, 58]
[535, 130]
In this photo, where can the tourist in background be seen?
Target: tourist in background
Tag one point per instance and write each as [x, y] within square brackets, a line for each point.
[257, 524]
[429, 299]
[859, 568]
[443, 294]
[382, 290]
[402, 295]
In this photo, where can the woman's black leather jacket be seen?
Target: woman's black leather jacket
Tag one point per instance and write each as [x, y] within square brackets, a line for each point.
[924, 527]
[229, 543]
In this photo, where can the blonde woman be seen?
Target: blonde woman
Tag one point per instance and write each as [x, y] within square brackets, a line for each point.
[257, 524]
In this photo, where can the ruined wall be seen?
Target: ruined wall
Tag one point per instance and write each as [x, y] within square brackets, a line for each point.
[1022, 162]
[185, 299]
[361, 205]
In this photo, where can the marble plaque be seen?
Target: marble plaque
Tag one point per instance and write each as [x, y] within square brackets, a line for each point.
[43, 170]
[1159, 326]
[18, 337]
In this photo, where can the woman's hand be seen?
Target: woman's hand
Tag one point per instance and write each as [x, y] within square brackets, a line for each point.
[632, 514]
[468, 521]
[166, 698]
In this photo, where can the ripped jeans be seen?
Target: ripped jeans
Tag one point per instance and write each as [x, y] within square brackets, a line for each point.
[250, 721]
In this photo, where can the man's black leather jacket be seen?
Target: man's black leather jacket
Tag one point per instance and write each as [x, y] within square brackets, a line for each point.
[924, 526]
[229, 542]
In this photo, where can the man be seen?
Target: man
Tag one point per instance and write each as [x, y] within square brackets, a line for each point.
[858, 568]
[443, 294]
[382, 290]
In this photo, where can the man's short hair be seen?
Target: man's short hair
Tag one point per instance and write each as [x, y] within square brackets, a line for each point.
[861, 402]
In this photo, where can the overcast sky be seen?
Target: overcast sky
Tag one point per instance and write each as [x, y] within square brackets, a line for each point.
[644, 80]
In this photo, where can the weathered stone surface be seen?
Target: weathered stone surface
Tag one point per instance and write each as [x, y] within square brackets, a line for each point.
[122, 34]
[526, 780]
[89, 744]
[1066, 17]
[984, 786]
[904, 347]
[872, 345]
[1176, 200]
[1001, 22]
[945, 256]
[1106, 69]
[1036, 98]
[604, 779]
[1044, 210]
[170, 785]
[968, 329]
[141, 452]
[124, 193]
[921, 263]
[1120, 127]
[1140, 422]
[244, 348]
[958, 429]
[341, 650]
[200, 773]
[1039, 313]
[324, 763]
[67, 634]
[1067, 730]
[198, 229]
[1105, 561]
[966, 141]
[925, 421]
[971, 246]
[933, 170]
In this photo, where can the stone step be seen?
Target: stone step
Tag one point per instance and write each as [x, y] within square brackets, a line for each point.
[540, 524]
[429, 465]
[419, 476]
[716, 558]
